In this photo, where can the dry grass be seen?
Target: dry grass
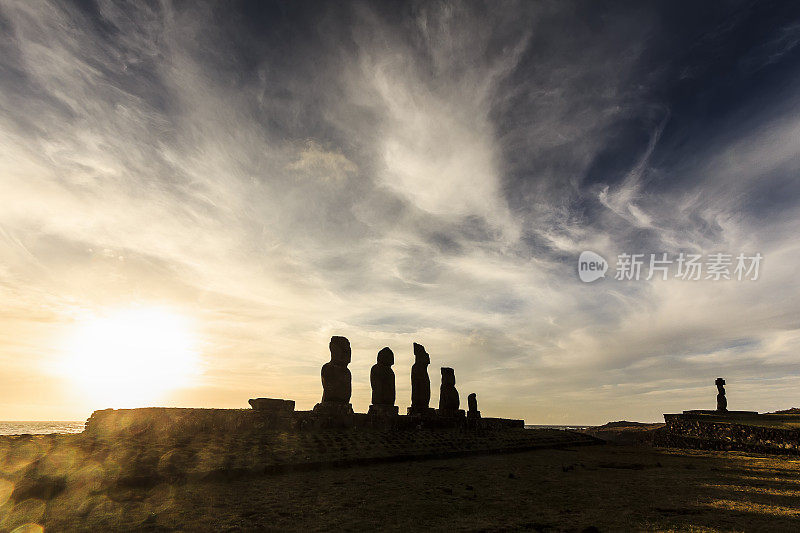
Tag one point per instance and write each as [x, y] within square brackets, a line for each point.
[613, 488]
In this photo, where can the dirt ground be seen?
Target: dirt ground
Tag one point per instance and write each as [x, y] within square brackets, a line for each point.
[593, 488]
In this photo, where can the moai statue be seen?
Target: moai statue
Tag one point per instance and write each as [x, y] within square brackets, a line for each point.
[336, 380]
[381, 377]
[448, 395]
[722, 402]
[472, 403]
[420, 383]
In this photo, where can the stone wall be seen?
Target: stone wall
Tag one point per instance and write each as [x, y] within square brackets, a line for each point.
[178, 421]
[146, 458]
[220, 455]
[772, 435]
[145, 447]
[173, 420]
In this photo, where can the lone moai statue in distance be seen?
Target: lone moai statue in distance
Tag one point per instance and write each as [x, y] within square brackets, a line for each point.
[420, 382]
[336, 379]
[472, 404]
[448, 395]
[381, 378]
[722, 402]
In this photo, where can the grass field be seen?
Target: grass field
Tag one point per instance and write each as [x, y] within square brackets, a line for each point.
[611, 488]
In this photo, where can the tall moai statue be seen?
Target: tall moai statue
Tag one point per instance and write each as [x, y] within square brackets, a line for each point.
[381, 377]
[448, 395]
[420, 383]
[336, 380]
[472, 404]
[722, 402]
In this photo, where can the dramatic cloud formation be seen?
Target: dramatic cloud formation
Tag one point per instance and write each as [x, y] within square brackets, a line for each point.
[404, 172]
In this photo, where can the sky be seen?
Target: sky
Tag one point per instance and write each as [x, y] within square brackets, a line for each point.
[259, 176]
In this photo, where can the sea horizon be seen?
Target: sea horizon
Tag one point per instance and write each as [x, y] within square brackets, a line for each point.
[47, 427]
[40, 427]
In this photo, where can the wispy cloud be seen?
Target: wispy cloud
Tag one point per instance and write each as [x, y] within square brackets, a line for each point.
[424, 176]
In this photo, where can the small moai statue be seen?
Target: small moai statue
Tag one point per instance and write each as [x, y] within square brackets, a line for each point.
[336, 379]
[420, 383]
[381, 377]
[722, 402]
[448, 395]
[472, 403]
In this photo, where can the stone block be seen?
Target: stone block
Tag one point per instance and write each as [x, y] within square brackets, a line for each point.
[384, 410]
[272, 405]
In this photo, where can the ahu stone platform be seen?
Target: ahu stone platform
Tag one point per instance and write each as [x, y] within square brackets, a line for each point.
[173, 443]
[270, 414]
[103, 462]
[731, 430]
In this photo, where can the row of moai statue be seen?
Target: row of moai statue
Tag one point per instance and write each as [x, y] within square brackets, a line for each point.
[337, 387]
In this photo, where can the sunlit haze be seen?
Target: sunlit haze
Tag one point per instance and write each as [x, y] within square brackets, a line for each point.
[130, 357]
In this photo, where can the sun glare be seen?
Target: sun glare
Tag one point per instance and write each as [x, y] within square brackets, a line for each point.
[131, 357]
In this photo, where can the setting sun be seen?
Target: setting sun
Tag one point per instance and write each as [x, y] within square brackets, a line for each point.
[131, 357]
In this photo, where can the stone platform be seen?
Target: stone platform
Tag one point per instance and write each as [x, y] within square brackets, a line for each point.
[722, 414]
[146, 451]
[151, 458]
[160, 444]
[731, 430]
[269, 415]
[744, 417]
[178, 443]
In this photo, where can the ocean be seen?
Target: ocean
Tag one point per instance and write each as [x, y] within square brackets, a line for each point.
[39, 427]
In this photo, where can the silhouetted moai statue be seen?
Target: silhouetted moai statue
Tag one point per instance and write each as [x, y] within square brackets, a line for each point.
[420, 383]
[381, 377]
[448, 395]
[722, 402]
[472, 403]
[336, 379]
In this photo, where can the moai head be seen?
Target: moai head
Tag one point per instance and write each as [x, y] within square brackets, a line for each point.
[340, 351]
[420, 355]
[720, 382]
[448, 376]
[386, 357]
